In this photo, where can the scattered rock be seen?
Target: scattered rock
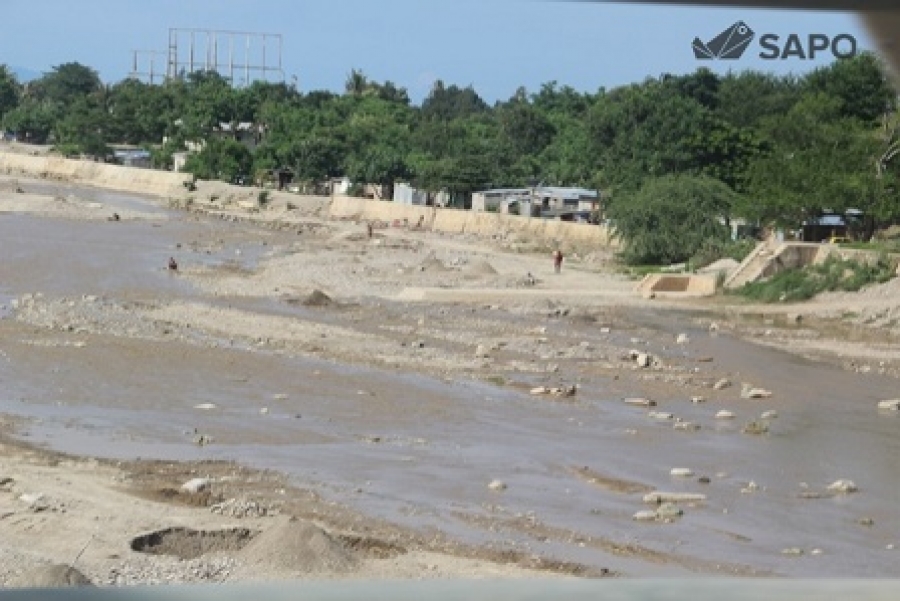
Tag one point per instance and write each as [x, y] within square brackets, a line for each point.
[205, 406]
[646, 516]
[196, 485]
[497, 485]
[794, 318]
[866, 522]
[892, 405]
[687, 426]
[682, 339]
[669, 511]
[724, 414]
[843, 486]
[769, 415]
[673, 497]
[481, 352]
[752, 487]
[756, 427]
[643, 360]
[36, 501]
[749, 392]
[237, 508]
[698, 399]
[666, 512]
[722, 384]
[637, 402]
[660, 415]
[564, 391]
[793, 551]
[681, 472]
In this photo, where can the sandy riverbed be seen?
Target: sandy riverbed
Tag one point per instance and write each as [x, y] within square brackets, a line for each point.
[295, 346]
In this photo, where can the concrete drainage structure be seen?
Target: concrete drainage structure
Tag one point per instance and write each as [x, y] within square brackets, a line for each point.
[667, 285]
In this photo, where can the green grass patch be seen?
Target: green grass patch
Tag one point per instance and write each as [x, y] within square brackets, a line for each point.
[835, 274]
[496, 380]
[884, 246]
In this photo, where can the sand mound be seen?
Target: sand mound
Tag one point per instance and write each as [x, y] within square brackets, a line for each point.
[52, 576]
[432, 263]
[317, 298]
[481, 268]
[298, 546]
[726, 265]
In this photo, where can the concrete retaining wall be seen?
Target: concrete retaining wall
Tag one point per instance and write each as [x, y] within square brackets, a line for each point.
[457, 221]
[101, 175]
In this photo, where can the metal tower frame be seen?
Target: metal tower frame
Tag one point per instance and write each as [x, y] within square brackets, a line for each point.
[204, 54]
[144, 65]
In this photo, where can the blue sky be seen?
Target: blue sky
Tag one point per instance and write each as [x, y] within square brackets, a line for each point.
[494, 45]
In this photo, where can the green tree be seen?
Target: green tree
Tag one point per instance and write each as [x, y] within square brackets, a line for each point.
[66, 83]
[860, 83]
[83, 127]
[32, 121]
[221, 159]
[446, 103]
[671, 218]
[9, 91]
[817, 160]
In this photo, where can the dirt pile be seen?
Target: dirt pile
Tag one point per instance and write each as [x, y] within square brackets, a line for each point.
[317, 298]
[481, 268]
[300, 547]
[434, 264]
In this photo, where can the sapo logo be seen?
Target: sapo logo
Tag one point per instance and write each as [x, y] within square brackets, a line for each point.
[728, 45]
[734, 41]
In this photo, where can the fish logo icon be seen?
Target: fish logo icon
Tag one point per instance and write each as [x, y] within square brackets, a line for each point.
[728, 45]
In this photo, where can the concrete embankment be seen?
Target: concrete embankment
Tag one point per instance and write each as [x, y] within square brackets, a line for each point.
[171, 185]
[101, 175]
[455, 221]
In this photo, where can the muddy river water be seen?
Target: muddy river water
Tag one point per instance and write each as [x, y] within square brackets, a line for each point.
[421, 451]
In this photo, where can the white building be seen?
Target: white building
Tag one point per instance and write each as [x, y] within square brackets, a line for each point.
[544, 199]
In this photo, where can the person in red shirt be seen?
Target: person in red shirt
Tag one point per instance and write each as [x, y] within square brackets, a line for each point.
[557, 260]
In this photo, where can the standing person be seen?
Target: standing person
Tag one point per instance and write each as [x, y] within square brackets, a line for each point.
[557, 260]
[369, 228]
[173, 266]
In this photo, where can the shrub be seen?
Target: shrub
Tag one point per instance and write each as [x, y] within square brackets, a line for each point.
[833, 275]
[671, 218]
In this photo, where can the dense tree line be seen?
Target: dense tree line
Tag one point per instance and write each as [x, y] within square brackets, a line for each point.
[680, 149]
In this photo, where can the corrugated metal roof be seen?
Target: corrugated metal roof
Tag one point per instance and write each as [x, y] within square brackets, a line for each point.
[554, 191]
